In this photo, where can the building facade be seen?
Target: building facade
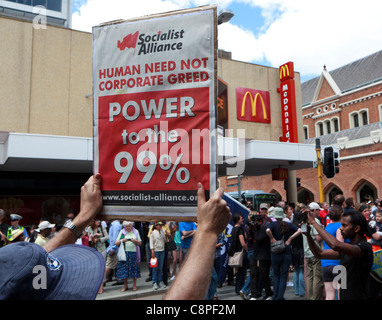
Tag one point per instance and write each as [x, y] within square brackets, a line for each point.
[40, 12]
[343, 108]
[46, 118]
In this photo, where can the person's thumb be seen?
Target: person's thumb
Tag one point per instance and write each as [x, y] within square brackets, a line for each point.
[201, 195]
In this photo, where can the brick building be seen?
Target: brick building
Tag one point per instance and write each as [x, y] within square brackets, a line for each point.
[343, 108]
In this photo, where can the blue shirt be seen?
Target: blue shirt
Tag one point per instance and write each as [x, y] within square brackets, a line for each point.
[332, 229]
[186, 226]
[114, 230]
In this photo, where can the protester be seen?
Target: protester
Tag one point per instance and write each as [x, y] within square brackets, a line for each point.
[286, 232]
[3, 228]
[328, 265]
[43, 232]
[239, 243]
[129, 269]
[260, 264]
[111, 250]
[314, 285]
[187, 231]
[172, 246]
[356, 256]
[298, 254]
[157, 244]
[98, 236]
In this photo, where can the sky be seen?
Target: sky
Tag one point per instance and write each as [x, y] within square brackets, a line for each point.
[310, 33]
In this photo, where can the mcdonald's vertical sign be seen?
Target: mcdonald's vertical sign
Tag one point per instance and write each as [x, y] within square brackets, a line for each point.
[253, 105]
[288, 103]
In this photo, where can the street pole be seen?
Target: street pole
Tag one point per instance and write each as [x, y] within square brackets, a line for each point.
[319, 174]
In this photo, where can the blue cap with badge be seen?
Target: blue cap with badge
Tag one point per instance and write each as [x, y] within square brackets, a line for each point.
[70, 272]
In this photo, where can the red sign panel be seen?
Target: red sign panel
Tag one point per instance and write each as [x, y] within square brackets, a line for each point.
[253, 105]
[146, 142]
[288, 103]
[280, 174]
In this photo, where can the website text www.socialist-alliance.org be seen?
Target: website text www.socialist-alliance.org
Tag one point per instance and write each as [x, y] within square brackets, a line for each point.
[150, 198]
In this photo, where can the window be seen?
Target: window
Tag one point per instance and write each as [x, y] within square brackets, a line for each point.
[355, 120]
[328, 129]
[319, 129]
[335, 124]
[55, 5]
[359, 118]
[364, 118]
[306, 132]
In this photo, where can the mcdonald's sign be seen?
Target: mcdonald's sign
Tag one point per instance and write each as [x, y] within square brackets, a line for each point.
[253, 105]
[280, 174]
[286, 71]
[288, 103]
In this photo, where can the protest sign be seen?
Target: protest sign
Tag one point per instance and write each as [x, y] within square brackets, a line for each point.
[154, 87]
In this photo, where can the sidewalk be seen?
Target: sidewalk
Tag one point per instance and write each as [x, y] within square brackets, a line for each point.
[144, 288]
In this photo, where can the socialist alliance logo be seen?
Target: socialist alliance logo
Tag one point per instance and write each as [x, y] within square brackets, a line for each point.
[170, 40]
[130, 41]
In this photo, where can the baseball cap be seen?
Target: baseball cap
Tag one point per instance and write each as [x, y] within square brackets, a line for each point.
[70, 272]
[263, 205]
[45, 225]
[314, 205]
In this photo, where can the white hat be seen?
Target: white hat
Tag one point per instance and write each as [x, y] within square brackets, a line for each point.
[44, 225]
[314, 206]
[15, 217]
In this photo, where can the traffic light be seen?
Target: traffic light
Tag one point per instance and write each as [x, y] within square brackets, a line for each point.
[331, 162]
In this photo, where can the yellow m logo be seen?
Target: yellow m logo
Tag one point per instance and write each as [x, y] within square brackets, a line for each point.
[253, 104]
[284, 71]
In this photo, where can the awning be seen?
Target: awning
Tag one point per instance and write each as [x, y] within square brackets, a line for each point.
[255, 157]
[49, 153]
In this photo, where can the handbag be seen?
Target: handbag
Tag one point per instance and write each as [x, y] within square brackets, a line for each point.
[236, 260]
[121, 252]
[153, 262]
[278, 246]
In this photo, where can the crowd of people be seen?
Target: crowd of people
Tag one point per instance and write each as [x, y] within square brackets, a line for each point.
[305, 242]
[308, 243]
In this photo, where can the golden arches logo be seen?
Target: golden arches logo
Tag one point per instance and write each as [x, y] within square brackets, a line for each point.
[253, 104]
[284, 71]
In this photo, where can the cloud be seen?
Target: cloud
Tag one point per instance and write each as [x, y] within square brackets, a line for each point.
[94, 12]
[308, 32]
[314, 33]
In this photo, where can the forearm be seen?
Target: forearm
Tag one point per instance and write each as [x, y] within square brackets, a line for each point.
[331, 241]
[65, 236]
[194, 277]
[316, 250]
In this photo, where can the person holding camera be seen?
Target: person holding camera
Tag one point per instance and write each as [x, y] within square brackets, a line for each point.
[131, 267]
[314, 282]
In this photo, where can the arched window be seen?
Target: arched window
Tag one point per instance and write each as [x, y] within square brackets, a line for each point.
[359, 118]
[306, 132]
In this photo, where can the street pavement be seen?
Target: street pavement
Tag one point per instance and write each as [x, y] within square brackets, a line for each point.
[145, 291]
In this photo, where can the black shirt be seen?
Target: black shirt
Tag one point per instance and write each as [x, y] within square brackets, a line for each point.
[357, 272]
